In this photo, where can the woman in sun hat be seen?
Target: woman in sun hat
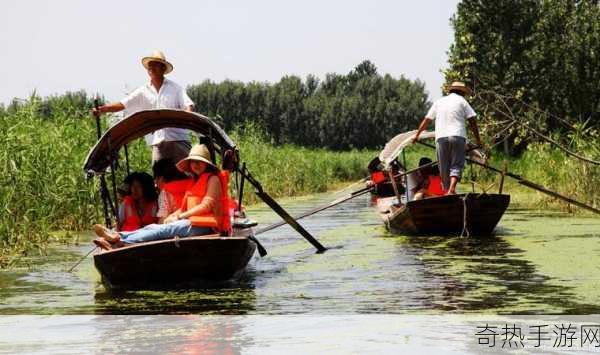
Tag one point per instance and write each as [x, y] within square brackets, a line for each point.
[160, 92]
[201, 211]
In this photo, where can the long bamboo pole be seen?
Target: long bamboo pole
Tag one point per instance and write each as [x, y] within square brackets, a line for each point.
[530, 184]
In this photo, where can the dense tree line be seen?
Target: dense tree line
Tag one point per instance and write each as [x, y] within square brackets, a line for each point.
[362, 109]
[539, 54]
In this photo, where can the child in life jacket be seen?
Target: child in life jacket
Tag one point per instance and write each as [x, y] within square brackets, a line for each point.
[139, 206]
[430, 184]
[172, 185]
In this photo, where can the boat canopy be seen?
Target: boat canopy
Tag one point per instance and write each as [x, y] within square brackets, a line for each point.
[144, 122]
[396, 145]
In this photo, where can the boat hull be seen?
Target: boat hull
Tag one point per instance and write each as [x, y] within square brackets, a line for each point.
[176, 261]
[444, 215]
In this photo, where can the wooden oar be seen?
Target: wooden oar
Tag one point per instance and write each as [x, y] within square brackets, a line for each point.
[318, 209]
[529, 184]
[280, 211]
[81, 259]
[103, 189]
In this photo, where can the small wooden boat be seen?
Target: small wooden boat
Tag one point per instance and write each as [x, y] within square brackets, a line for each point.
[174, 261]
[475, 214]
[190, 260]
[444, 215]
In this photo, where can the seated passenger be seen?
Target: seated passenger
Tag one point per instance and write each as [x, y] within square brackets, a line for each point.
[138, 208]
[202, 210]
[172, 185]
[430, 182]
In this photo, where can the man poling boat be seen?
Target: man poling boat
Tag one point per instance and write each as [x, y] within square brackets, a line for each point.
[409, 208]
[208, 237]
[434, 213]
[450, 114]
[160, 92]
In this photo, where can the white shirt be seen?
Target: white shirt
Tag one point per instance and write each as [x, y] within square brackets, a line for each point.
[170, 95]
[450, 113]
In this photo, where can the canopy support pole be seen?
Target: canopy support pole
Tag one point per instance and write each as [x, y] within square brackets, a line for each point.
[113, 167]
[127, 159]
[104, 195]
[241, 190]
[405, 177]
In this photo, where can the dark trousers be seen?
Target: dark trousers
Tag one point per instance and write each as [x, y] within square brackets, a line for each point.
[451, 157]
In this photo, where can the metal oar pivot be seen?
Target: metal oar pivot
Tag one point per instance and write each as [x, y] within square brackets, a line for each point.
[281, 212]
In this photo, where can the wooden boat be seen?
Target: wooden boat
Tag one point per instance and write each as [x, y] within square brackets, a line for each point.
[185, 261]
[444, 215]
[175, 261]
[475, 214]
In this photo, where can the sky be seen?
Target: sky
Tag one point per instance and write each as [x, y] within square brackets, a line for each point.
[66, 45]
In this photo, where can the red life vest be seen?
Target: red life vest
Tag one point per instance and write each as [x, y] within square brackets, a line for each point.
[435, 186]
[178, 188]
[378, 177]
[219, 218]
[133, 221]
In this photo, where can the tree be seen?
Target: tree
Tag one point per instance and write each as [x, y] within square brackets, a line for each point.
[359, 110]
[541, 55]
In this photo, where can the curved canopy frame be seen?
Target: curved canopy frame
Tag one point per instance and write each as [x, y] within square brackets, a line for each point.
[141, 123]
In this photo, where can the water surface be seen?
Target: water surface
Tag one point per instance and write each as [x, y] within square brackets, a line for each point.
[539, 263]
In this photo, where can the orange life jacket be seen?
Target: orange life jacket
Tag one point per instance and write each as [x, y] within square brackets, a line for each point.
[435, 186]
[133, 221]
[219, 218]
[178, 188]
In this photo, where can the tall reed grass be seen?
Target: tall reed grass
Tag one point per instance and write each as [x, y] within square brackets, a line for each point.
[43, 188]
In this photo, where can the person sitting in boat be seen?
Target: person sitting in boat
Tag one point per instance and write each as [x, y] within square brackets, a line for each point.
[139, 206]
[172, 185]
[430, 181]
[203, 210]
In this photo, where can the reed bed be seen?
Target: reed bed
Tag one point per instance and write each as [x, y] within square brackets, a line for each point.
[45, 196]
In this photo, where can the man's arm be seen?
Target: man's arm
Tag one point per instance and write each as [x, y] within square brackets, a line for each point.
[113, 107]
[423, 126]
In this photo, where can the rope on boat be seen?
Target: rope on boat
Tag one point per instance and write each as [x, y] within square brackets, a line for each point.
[465, 228]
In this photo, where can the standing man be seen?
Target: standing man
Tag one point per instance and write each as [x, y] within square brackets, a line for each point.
[160, 92]
[450, 114]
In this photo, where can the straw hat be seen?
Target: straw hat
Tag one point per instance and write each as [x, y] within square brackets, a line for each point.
[460, 86]
[157, 56]
[199, 152]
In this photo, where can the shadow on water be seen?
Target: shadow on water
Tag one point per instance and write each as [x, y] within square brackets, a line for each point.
[491, 274]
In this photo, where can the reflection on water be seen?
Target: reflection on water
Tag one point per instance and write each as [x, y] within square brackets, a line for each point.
[538, 263]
